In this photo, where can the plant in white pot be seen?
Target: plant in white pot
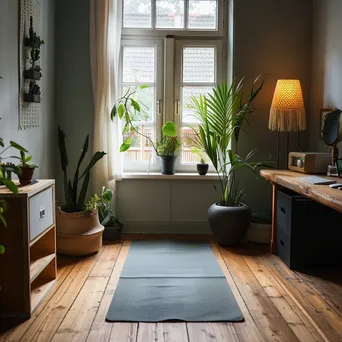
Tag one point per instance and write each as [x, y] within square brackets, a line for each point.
[130, 111]
[79, 231]
[220, 116]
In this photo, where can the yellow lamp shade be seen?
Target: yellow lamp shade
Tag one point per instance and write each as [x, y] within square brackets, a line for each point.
[287, 112]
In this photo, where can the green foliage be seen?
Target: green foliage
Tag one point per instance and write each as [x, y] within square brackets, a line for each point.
[168, 145]
[93, 204]
[7, 168]
[106, 212]
[75, 197]
[129, 110]
[25, 161]
[34, 42]
[221, 116]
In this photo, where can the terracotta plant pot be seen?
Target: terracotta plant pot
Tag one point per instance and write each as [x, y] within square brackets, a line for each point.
[25, 177]
[78, 233]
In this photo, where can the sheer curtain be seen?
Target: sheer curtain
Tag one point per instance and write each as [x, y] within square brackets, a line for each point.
[105, 39]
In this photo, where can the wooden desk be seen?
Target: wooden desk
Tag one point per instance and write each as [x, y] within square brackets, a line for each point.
[291, 180]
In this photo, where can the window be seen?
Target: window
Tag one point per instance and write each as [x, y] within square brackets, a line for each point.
[175, 47]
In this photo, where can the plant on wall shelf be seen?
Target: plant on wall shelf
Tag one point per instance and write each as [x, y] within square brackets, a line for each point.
[33, 42]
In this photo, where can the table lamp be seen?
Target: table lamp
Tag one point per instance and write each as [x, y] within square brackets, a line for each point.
[287, 112]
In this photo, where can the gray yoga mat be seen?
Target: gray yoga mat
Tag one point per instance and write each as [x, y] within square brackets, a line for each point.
[172, 280]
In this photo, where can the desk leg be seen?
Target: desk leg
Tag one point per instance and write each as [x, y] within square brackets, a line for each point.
[274, 220]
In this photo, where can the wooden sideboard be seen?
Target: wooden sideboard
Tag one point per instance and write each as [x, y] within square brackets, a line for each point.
[28, 266]
[292, 180]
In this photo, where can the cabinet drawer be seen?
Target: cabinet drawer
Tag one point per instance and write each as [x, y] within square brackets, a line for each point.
[284, 209]
[284, 245]
[41, 212]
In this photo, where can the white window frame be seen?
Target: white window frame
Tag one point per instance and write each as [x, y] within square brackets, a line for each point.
[180, 32]
[180, 44]
[158, 115]
[168, 43]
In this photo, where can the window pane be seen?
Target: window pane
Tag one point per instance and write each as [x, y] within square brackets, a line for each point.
[137, 13]
[138, 64]
[141, 149]
[187, 155]
[170, 13]
[187, 114]
[199, 64]
[146, 99]
[203, 14]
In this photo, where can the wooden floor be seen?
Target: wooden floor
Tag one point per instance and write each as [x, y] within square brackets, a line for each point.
[278, 304]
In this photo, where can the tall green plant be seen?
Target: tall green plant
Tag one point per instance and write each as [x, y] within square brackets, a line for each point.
[75, 198]
[221, 116]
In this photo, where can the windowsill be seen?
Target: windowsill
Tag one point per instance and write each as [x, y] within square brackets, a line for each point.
[177, 176]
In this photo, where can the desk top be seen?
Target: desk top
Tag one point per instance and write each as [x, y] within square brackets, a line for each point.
[320, 193]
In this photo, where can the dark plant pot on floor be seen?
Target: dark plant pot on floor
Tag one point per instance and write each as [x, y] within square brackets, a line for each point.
[202, 169]
[229, 224]
[113, 233]
[168, 165]
[25, 177]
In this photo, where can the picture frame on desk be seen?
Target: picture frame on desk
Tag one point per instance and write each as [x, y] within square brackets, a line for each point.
[323, 112]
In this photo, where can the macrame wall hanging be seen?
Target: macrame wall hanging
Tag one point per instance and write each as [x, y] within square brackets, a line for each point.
[29, 69]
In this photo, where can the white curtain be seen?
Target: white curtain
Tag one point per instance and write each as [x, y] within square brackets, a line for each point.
[105, 39]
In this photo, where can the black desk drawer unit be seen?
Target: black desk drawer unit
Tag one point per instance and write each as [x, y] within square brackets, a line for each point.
[309, 234]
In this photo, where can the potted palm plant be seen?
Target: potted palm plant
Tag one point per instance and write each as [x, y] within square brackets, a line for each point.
[79, 231]
[221, 116]
[127, 108]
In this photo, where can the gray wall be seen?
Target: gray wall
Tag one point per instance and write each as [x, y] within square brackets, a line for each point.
[74, 98]
[37, 140]
[326, 66]
[272, 38]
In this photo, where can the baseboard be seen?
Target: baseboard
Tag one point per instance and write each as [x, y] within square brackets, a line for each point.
[131, 227]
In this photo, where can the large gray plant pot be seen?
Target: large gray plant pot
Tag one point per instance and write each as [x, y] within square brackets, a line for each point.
[229, 224]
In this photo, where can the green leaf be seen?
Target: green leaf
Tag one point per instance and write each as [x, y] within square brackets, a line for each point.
[143, 86]
[121, 110]
[124, 147]
[169, 129]
[96, 157]
[135, 105]
[9, 185]
[27, 159]
[2, 248]
[107, 194]
[32, 164]
[113, 113]
[2, 144]
[62, 149]
[83, 192]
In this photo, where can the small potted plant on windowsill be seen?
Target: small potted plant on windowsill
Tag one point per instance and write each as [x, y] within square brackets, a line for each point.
[127, 109]
[202, 167]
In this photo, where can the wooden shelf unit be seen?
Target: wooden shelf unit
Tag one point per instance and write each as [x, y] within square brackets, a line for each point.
[28, 267]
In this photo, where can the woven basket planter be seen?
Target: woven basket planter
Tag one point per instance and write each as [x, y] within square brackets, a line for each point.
[78, 233]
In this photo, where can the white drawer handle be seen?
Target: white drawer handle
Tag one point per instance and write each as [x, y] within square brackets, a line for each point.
[41, 213]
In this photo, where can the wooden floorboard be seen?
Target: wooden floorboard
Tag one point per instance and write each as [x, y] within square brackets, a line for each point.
[277, 303]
